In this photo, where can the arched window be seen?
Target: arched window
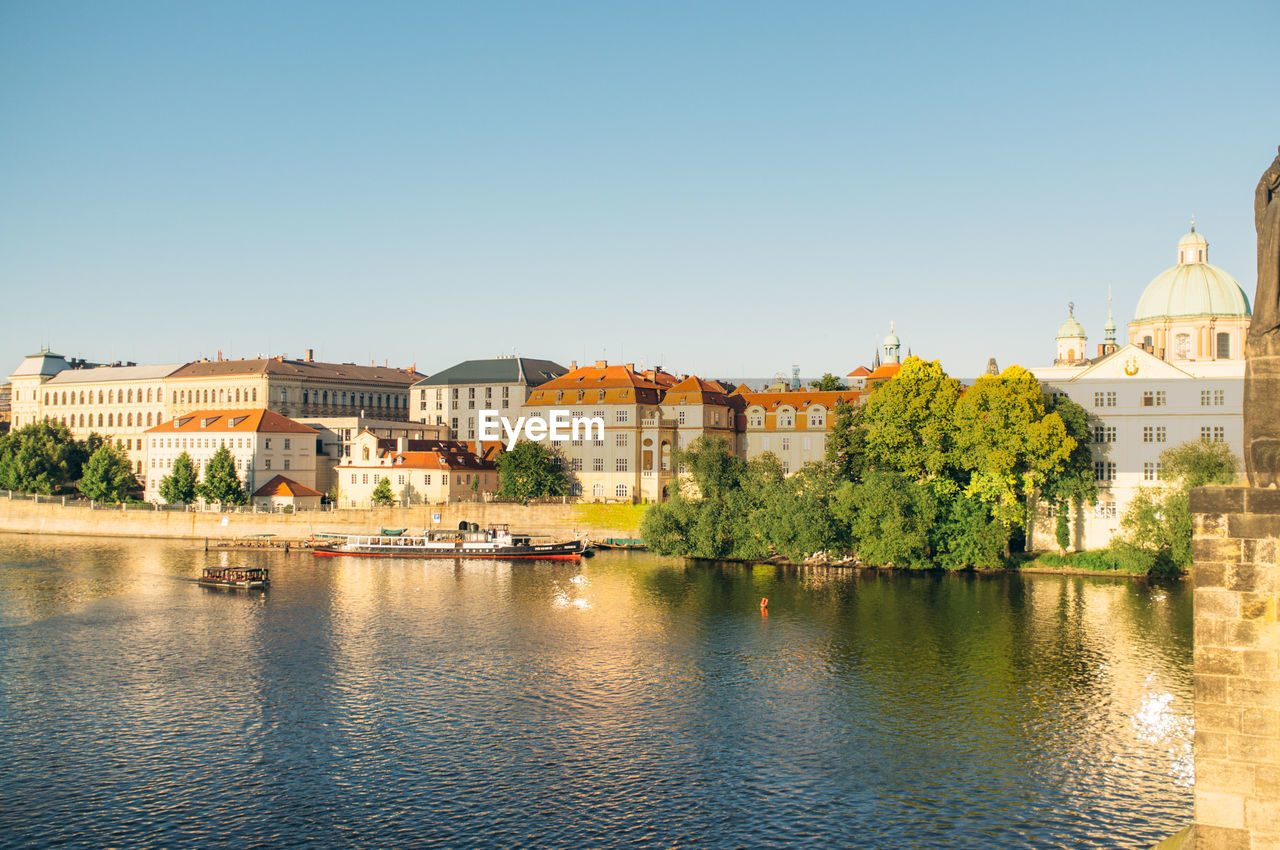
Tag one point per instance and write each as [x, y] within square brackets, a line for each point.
[148, 420]
[99, 396]
[130, 399]
[597, 491]
[306, 396]
[1224, 346]
[324, 397]
[64, 397]
[99, 420]
[365, 453]
[255, 393]
[46, 398]
[129, 419]
[110, 421]
[81, 420]
[237, 395]
[148, 393]
[111, 396]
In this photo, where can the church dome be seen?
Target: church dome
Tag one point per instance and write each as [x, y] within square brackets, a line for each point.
[1071, 329]
[1192, 288]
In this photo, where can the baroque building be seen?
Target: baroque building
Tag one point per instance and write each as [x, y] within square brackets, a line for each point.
[1180, 378]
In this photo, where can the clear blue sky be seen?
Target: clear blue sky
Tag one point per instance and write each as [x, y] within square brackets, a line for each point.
[727, 187]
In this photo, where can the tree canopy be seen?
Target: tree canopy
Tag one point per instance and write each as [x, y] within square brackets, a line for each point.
[221, 481]
[107, 477]
[531, 470]
[828, 383]
[179, 487]
[42, 457]
[382, 495]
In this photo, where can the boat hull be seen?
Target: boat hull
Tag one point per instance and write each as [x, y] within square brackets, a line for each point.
[550, 552]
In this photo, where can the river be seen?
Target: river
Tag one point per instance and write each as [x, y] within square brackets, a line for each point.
[629, 699]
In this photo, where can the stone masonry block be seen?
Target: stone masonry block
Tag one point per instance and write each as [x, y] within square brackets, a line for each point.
[1258, 606]
[1263, 553]
[1266, 781]
[1251, 577]
[1225, 776]
[1253, 749]
[1225, 550]
[1209, 574]
[1258, 501]
[1261, 663]
[1219, 661]
[1212, 745]
[1210, 690]
[1217, 500]
[1216, 808]
[1219, 718]
[1257, 721]
[1217, 603]
[1262, 815]
[1254, 526]
[1219, 837]
[1252, 693]
[1209, 525]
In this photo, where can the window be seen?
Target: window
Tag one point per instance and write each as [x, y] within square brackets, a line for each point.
[266, 444]
[426, 479]
[286, 442]
[680, 417]
[786, 420]
[284, 395]
[400, 480]
[1204, 398]
[364, 479]
[597, 491]
[575, 464]
[1104, 433]
[756, 420]
[1219, 398]
[817, 420]
[1224, 346]
[621, 491]
[1105, 510]
[621, 439]
[1104, 470]
[620, 416]
[597, 464]
[444, 479]
[266, 464]
[620, 464]
[575, 489]
[786, 444]
[286, 464]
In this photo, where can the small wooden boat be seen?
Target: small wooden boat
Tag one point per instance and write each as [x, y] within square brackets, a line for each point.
[236, 578]
[621, 543]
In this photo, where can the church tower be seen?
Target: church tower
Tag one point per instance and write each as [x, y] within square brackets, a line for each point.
[1071, 341]
[891, 346]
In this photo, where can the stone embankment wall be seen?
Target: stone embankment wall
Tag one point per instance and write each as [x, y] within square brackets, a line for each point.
[1237, 667]
[596, 521]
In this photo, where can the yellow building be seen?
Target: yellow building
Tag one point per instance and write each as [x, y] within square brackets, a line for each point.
[793, 426]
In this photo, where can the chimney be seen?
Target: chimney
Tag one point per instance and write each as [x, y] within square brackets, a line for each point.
[601, 364]
[219, 355]
[573, 365]
[402, 445]
[310, 355]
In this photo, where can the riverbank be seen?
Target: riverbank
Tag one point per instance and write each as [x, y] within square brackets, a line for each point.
[23, 516]
[1028, 564]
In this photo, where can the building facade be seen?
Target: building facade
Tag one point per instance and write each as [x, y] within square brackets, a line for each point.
[1180, 378]
[419, 472]
[792, 426]
[263, 444]
[454, 397]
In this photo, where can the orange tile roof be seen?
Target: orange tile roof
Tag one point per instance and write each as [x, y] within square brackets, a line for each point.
[247, 420]
[885, 371]
[861, 370]
[802, 400]
[599, 384]
[281, 486]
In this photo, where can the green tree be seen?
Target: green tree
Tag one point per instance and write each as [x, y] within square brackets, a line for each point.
[967, 535]
[909, 422]
[107, 476]
[1158, 519]
[1007, 443]
[382, 496]
[1074, 482]
[41, 457]
[1199, 463]
[847, 442]
[531, 470]
[179, 487]
[828, 383]
[890, 516]
[1062, 526]
[221, 481]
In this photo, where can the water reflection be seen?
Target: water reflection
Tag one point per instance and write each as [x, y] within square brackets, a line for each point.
[626, 699]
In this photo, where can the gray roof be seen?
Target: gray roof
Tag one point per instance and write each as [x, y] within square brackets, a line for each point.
[302, 369]
[113, 373]
[497, 370]
[41, 363]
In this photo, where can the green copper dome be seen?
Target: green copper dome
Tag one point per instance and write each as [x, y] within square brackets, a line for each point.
[1071, 329]
[1193, 288]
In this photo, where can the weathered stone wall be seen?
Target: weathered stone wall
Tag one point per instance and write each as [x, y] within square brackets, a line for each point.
[1237, 667]
[595, 521]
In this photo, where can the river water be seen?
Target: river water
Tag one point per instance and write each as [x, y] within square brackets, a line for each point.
[626, 700]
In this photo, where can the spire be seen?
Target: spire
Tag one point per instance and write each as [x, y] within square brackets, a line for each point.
[1111, 322]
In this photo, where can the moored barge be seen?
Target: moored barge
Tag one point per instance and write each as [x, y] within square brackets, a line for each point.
[497, 541]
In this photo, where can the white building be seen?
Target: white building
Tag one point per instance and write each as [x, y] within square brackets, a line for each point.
[454, 397]
[1181, 378]
[263, 444]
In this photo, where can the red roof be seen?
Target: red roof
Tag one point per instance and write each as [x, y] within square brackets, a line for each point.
[859, 372]
[281, 486]
[885, 371]
[232, 421]
[803, 399]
